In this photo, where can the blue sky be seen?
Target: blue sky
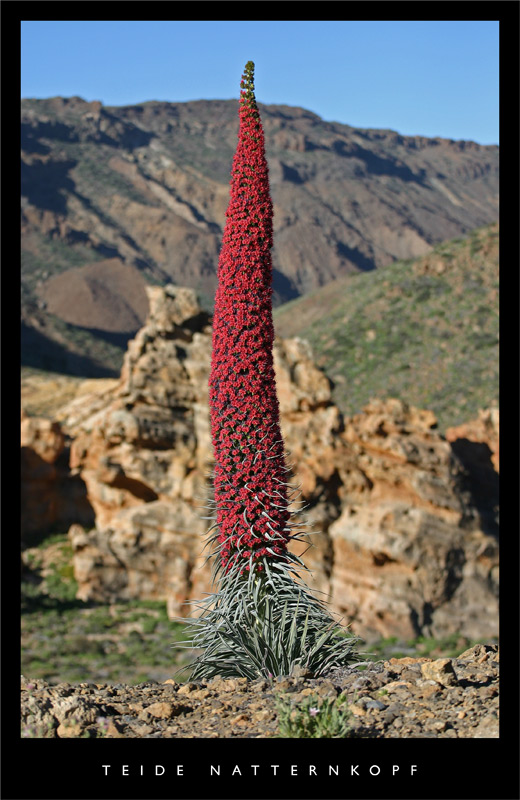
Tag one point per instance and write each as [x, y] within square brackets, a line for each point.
[419, 78]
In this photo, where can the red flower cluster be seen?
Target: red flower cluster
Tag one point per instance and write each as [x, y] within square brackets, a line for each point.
[249, 476]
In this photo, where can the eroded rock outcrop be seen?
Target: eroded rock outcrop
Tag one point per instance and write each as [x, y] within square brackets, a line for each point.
[401, 547]
[410, 552]
[484, 431]
[144, 452]
[51, 498]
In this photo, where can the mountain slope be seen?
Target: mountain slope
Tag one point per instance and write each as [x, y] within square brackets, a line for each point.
[424, 331]
[147, 187]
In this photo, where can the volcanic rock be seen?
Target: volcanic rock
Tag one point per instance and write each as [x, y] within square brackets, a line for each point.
[400, 546]
[380, 706]
[410, 554]
[51, 497]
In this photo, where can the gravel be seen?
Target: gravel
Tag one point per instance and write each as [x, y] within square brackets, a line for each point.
[399, 698]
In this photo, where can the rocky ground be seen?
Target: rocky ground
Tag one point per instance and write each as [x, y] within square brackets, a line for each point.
[400, 698]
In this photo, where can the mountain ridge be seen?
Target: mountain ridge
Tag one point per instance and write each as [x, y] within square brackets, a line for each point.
[144, 189]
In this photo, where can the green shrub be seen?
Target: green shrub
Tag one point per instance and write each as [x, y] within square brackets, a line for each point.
[313, 718]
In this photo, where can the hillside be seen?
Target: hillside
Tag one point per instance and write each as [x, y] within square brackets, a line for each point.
[114, 198]
[425, 331]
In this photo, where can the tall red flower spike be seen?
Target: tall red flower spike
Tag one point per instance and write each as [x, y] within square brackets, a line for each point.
[262, 620]
[250, 473]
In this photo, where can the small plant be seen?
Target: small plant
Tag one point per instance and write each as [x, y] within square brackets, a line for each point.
[103, 725]
[35, 730]
[313, 718]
